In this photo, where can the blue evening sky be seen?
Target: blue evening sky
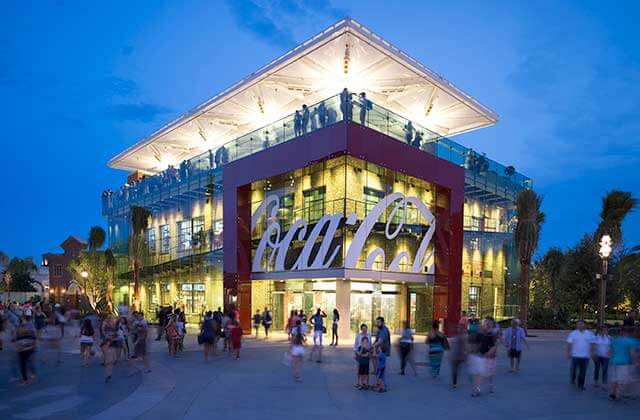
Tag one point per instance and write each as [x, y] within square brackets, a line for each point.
[80, 81]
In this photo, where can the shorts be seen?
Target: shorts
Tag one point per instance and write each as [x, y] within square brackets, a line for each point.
[622, 374]
[363, 369]
[207, 339]
[477, 365]
[317, 337]
[379, 373]
[514, 354]
[140, 348]
[85, 346]
[297, 351]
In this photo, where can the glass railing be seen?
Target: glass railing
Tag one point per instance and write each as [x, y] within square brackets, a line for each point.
[480, 171]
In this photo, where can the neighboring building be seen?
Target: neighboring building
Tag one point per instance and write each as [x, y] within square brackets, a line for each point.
[59, 277]
[363, 204]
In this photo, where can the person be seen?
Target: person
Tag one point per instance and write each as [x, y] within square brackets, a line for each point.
[318, 330]
[40, 321]
[483, 346]
[297, 123]
[257, 320]
[579, 350]
[408, 132]
[267, 320]
[226, 332]
[437, 343]
[236, 337]
[303, 322]
[514, 340]
[305, 119]
[417, 140]
[297, 350]
[601, 356]
[365, 107]
[314, 119]
[383, 336]
[630, 320]
[291, 323]
[406, 343]
[322, 115]
[161, 315]
[60, 318]
[109, 345]
[217, 315]
[464, 320]
[382, 354]
[207, 334]
[364, 333]
[363, 354]
[141, 328]
[334, 327]
[123, 335]
[182, 329]
[493, 331]
[622, 348]
[172, 334]
[25, 343]
[86, 341]
[458, 354]
[345, 104]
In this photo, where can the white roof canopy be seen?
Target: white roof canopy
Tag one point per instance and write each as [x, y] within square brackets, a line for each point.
[344, 55]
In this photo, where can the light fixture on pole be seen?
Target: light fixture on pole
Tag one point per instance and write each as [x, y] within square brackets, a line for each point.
[605, 253]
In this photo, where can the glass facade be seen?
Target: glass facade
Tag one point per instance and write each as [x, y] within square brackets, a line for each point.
[185, 237]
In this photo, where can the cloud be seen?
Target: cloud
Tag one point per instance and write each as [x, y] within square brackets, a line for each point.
[273, 20]
[139, 112]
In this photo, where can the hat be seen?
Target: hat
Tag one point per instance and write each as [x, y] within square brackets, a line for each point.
[27, 312]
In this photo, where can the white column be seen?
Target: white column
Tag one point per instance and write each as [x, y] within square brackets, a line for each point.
[343, 303]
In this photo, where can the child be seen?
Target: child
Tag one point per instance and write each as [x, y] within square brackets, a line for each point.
[363, 364]
[382, 363]
[236, 338]
[182, 330]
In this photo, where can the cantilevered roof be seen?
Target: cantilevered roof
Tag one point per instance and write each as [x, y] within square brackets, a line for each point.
[344, 55]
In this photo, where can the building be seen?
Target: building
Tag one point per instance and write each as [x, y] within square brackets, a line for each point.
[60, 279]
[289, 192]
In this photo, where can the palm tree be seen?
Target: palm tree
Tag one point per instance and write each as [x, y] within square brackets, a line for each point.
[96, 238]
[137, 247]
[110, 262]
[4, 259]
[615, 207]
[527, 234]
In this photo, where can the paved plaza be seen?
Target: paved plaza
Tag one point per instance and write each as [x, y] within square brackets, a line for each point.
[259, 386]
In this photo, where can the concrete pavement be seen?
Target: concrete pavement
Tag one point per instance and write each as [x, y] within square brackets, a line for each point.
[259, 386]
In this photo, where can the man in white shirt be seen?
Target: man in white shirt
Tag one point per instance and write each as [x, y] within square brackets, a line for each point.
[580, 345]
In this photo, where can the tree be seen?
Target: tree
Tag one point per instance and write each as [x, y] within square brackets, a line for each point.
[137, 247]
[615, 207]
[111, 263]
[17, 275]
[627, 271]
[4, 259]
[579, 275]
[96, 238]
[527, 234]
[94, 285]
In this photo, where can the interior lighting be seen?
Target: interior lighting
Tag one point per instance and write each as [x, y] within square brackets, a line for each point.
[345, 67]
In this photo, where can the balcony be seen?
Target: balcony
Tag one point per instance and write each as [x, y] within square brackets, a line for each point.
[485, 179]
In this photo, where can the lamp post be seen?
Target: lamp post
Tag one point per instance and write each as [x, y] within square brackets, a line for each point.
[85, 276]
[604, 252]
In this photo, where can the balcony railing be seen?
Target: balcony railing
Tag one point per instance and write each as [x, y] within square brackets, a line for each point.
[481, 172]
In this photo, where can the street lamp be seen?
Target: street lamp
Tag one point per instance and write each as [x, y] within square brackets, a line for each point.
[85, 275]
[604, 252]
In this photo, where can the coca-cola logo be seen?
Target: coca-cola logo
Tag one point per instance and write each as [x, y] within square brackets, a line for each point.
[275, 243]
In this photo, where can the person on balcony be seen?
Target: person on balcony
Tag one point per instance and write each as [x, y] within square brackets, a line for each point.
[345, 104]
[305, 118]
[408, 132]
[297, 123]
[417, 140]
[365, 107]
[322, 115]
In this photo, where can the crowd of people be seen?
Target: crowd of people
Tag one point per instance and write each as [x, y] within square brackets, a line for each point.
[35, 328]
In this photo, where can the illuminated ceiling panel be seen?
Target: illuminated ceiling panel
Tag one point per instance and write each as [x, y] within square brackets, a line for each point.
[344, 55]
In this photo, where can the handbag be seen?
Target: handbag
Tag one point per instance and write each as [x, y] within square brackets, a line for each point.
[200, 339]
[324, 329]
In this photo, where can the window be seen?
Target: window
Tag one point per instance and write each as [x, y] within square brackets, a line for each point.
[314, 204]
[184, 235]
[151, 240]
[164, 239]
[371, 198]
[286, 212]
[57, 270]
[474, 294]
[197, 227]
